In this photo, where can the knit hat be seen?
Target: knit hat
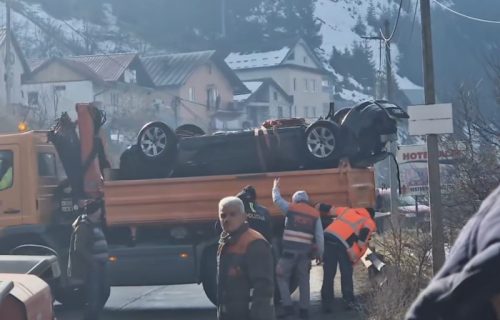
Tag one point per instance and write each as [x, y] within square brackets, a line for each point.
[300, 196]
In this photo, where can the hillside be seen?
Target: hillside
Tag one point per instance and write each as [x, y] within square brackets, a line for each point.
[333, 27]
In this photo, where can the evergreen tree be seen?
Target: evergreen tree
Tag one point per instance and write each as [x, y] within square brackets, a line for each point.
[360, 27]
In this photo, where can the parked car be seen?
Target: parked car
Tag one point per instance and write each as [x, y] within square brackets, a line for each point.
[412, 213]
[359, 134]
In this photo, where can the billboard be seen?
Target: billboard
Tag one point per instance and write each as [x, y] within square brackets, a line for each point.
[413, 172]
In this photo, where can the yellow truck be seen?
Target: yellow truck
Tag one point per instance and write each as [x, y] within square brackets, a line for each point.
[160, 231]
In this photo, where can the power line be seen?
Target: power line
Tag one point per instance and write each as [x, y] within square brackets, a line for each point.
[464, 15]
[413, 22]
[395, 24]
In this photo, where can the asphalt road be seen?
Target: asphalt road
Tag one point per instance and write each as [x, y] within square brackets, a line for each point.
[185, 302]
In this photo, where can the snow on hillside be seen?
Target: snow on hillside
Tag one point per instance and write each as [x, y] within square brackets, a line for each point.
[29, 21]
[338, 19]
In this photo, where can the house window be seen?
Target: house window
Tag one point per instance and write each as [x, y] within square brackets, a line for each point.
[114, 99]
[33, 98]
[213, 98]
[280, 112]
[313, 109]
[191, 94]
[305, 60]
[209, 68]
[59, 88]
[306, 112]
[294, 84]
[306, 85]
[313, 85]
[275, 96]
[130, 76]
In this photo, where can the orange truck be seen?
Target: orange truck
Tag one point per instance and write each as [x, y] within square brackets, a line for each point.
[160, 231]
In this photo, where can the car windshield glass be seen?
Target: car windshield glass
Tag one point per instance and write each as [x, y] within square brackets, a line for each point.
[406, 201]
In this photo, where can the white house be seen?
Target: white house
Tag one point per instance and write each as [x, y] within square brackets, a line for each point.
[118, 81]
[267, 100]
[296, 69]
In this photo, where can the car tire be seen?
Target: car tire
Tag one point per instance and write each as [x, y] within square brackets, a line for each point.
[322, 143]
[157, 142]
[209, 275]
[71, 298]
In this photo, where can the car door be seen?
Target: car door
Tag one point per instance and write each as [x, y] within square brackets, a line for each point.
[10, 186]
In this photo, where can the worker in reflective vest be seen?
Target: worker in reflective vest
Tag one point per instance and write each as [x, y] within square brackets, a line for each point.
[302, 241]
[346, 241]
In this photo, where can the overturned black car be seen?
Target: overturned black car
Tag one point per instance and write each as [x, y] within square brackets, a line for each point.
[359, 134]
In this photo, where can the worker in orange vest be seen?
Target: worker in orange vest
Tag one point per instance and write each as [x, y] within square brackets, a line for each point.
[346, 241]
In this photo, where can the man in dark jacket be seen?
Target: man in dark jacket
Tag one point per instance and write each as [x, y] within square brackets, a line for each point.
[258, 217]
[245, 287]
[88, 258]
[467, 286]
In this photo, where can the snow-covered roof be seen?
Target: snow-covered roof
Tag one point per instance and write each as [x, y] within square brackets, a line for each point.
[239, 60]
[252, 86]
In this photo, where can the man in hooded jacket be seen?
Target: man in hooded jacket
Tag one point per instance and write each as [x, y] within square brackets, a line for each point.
[467, 286]
[88, 256]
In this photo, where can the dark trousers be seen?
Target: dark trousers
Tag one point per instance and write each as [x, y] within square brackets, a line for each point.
[336, 253]
[97, 291]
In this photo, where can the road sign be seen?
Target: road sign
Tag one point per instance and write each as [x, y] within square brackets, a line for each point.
[430, 119]
[418, 153]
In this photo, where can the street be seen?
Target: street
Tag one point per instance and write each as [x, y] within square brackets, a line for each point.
[189, 302]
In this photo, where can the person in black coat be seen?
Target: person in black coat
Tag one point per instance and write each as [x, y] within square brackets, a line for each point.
[468, 284]
[258, 216]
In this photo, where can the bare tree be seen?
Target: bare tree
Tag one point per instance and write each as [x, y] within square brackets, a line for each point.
[476, 171]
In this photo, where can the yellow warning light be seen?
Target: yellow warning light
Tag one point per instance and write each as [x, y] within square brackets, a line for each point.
[22, 126]
[184, 255]
[112, 259]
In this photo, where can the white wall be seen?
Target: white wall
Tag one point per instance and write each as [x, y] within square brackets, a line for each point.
[303, 97]
[17, 70]
[60, 101]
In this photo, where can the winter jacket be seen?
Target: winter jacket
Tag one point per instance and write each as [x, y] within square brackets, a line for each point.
[88, 246]
[245, 287]
[469, 278]
[259, 219]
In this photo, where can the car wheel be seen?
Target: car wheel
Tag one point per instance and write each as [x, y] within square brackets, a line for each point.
[157, 141]
[189, 130]
[209, 275]
[322, 142]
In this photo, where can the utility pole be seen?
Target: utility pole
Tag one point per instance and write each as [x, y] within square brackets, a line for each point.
[438, 255]
[8, 60]
[393, 144]
[393, 148]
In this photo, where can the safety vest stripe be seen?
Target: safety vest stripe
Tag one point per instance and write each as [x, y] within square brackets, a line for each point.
[296, 239]
[298, 234]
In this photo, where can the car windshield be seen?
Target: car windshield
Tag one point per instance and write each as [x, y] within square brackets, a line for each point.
[406, 201]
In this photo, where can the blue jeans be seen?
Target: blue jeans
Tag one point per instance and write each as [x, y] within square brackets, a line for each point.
[97, 291]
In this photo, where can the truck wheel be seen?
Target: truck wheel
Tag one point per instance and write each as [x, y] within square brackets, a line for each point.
[157, 142]
[70, 297]
[322, 142]
[209, 276]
